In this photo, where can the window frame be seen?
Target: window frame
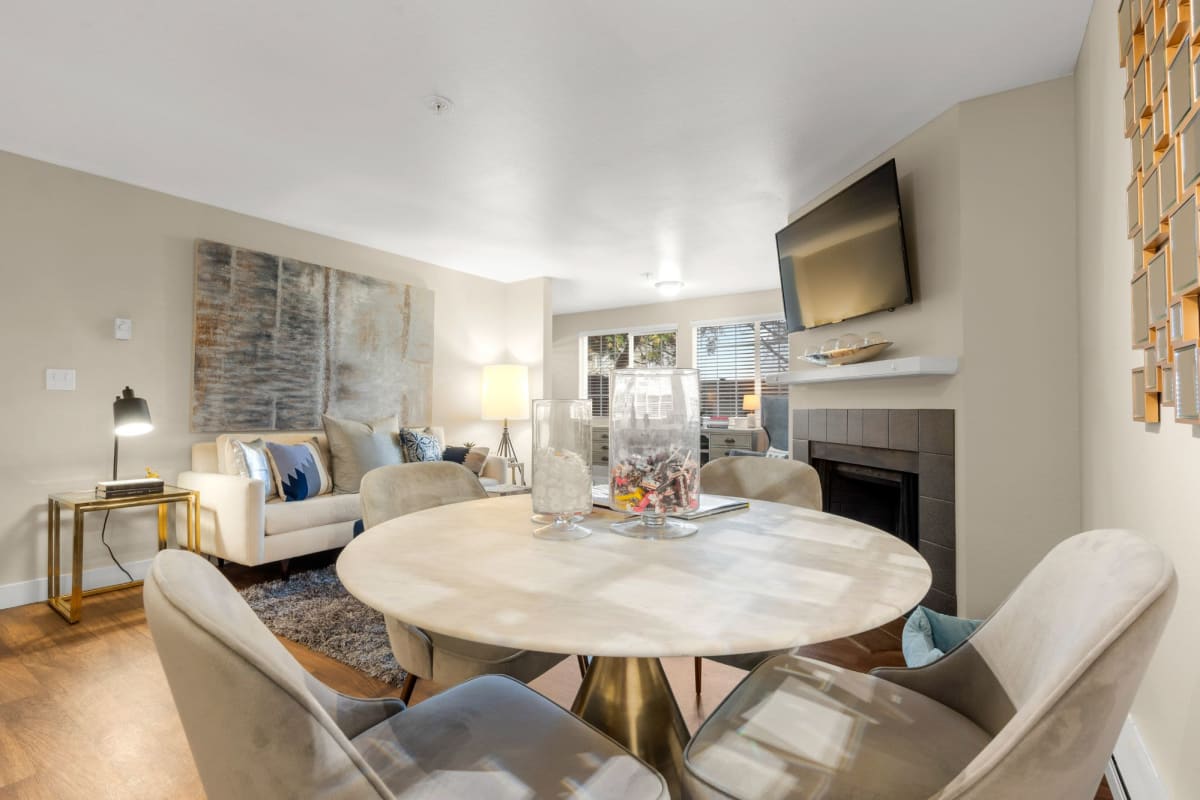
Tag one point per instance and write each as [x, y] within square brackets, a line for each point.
[759, 378]
[630, 332]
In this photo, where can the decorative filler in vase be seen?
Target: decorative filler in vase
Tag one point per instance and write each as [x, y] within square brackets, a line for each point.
[654, 449]
[562, 478]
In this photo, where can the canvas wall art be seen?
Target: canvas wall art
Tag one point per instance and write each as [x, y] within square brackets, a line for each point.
[279, 341]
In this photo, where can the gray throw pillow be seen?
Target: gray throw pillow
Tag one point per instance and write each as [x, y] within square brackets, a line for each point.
[359, 447]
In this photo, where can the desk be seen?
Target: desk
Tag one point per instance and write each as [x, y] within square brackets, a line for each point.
[70, 607]
[768, 577]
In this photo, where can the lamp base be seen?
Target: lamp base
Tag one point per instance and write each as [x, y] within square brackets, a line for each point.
[507, 451]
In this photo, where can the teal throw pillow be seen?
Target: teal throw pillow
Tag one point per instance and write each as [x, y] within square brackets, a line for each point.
[929, 635]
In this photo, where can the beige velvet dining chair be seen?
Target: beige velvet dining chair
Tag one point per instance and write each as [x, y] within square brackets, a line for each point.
[260, 726]
[777, 480]
[393, 491]
[1029, 706]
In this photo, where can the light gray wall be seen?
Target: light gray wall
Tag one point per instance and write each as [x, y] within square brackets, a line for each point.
[77, 250]
[1133, 475]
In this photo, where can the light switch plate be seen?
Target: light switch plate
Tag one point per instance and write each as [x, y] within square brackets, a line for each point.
[123, 329]
[60, 380]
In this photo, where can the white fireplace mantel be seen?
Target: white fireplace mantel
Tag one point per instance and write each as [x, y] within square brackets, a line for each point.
[890, 368]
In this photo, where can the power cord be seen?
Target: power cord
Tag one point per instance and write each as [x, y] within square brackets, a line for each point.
[111, 554]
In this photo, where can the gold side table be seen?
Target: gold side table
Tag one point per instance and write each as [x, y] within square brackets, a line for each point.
[82, 503]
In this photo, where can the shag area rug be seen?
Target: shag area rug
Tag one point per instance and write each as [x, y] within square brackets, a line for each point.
[314, 609]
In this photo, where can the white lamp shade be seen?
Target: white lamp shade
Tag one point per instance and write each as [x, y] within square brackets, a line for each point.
[750, 402]
[506, 391]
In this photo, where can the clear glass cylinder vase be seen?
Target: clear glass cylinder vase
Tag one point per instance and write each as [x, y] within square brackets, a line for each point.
[562, 473]
[654, 449]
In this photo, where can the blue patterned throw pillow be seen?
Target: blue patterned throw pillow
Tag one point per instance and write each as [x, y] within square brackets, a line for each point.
[420, 446]
[299, 470]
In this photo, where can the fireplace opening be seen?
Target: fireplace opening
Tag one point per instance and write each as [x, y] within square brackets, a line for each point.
[883, 498]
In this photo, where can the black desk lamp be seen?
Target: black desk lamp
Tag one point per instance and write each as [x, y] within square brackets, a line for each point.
[131, 417]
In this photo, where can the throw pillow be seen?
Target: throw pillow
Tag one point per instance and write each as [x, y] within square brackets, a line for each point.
[299, 470]
[775, 452]
[250, 460]
[476, 457]
[456, 454]
[929, 635]
[359, 447]
[420, 446]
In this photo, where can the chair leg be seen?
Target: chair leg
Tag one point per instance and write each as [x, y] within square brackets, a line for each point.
[406, 689]
[285, 569]
[583, 665]
[697, 675]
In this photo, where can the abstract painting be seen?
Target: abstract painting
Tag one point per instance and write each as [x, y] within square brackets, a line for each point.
[279, 341]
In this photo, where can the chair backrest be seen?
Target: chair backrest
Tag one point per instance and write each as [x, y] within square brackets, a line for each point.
[1052, 674]
[257, 723]
[778, 480]
[398, 489]
[775, 421]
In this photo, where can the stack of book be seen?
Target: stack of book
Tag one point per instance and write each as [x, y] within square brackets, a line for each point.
[109, 490]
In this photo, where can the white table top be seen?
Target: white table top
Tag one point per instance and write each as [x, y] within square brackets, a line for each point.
[765, 578]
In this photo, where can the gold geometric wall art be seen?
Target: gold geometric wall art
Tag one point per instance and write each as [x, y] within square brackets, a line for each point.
[1160, 52]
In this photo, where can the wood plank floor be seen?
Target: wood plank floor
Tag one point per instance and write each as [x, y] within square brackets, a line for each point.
[85, 711]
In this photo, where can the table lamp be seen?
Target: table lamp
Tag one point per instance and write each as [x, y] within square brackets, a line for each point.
[506, 397]
[751, 403]
[131, 417]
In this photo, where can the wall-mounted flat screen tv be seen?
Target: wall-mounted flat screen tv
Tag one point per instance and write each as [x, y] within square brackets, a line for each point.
[846, 257]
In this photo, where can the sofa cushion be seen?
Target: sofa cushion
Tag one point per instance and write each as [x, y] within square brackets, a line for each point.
[300, 471]
[420, 445]
[251, 461]
[314, 512]
[224, 443]
[357, 448]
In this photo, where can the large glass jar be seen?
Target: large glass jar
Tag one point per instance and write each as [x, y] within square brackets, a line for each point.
[654, 449]
[562, 475]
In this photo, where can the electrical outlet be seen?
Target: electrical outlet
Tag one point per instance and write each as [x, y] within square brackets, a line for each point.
[60, 380]
[123, 329]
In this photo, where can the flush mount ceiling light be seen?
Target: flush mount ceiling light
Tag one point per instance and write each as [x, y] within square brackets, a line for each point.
[438, 105]
[669, 288]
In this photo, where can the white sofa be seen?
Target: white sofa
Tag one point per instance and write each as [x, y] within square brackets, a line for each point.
[239, 525]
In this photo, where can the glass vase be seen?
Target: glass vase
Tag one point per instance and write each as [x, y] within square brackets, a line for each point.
[562, 475]
[654, 450]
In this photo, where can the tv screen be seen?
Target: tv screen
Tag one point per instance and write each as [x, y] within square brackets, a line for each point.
[846, 257]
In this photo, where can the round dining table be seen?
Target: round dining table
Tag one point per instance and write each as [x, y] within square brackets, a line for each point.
[765, 577]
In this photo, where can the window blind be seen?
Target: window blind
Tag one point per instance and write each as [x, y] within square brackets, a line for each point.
[772, 355]
[609, 351]
[725, 357]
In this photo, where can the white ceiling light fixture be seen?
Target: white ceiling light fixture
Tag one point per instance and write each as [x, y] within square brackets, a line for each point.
[669, 288]
[438, 105]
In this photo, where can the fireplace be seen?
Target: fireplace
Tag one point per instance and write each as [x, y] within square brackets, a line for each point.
[882, 498]
[892, 469]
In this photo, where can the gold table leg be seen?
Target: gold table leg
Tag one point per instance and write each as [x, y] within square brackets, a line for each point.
[76, 568]
[630, 700]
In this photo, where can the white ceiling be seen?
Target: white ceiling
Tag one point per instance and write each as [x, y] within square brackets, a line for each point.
[591, 140]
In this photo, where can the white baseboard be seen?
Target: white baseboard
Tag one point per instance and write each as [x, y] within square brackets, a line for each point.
[25, 592]
[1131, 774]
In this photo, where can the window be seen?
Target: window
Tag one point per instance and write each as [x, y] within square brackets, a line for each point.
[608, 351]
[733, 358]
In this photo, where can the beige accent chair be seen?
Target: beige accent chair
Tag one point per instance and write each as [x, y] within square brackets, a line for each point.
[260, 726]
[239, 524]
[393, 491]
[1029, 706]
[776, 480]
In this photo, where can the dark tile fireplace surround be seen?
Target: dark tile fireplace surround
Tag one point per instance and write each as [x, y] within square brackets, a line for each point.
[892, 468]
